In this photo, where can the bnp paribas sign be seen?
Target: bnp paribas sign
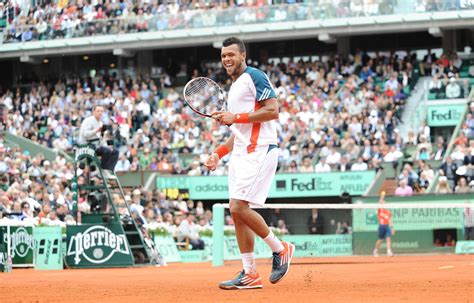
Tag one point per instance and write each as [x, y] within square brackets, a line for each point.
[97, 246]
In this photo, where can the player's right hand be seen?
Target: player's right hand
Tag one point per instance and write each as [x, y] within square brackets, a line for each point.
[211, 162]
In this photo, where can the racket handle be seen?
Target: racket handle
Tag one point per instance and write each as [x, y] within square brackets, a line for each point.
[239, 135]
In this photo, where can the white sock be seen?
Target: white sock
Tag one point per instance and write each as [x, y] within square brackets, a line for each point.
[248, 260]
[274, 243]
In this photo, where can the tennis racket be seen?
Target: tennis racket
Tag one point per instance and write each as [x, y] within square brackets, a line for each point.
[205, 97]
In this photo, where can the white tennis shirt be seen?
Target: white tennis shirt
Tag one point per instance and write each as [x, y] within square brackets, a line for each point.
[245, 95]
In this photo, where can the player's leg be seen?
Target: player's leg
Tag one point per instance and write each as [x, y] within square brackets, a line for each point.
[377, 247]
[380, 240]
[249, 277]
[250, 179]
[241, 212]
[389, 246]
[282, 251]
[245, 239]
[262, 166]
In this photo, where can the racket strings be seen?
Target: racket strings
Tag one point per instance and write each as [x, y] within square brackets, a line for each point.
[204, 96]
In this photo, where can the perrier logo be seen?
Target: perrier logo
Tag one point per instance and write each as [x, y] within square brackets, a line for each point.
[97, 244]
[21, 242]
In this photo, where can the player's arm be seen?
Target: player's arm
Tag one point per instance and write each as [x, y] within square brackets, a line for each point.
[219, 153]
[268, 110]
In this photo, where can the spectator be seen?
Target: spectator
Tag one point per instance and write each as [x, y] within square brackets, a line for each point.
[435, 85]
[453, 89]
[188, 230]
[403, 190]
[145, 159]
[334, 157]
[322, 166]
[393, 155]
[307, 166]
[315, 224]
[195, 169]
[423, 182]
[344, 165]
[360, 165]
[440, 149]
[423, 154]
[469, 224]
[53, 219]
[281, 225]
[136, 206]
[449, 240]
[443, 186]
[17, 213]
[462, 187]
[424, 143]
[343, 228]
[123, 164]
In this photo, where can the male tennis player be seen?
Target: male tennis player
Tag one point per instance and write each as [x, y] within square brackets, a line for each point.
[253, 109]
[385, 227]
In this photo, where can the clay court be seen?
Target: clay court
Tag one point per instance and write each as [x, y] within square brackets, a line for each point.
[354, 279]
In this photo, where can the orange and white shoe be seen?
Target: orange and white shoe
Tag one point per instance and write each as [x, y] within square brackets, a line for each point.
[243, 281]
[281, 262]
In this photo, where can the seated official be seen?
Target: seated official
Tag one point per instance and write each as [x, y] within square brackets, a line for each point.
[90, 133]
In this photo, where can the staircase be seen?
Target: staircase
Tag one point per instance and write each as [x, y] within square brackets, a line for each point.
[414, 112]
[389, 186]
[130, 227]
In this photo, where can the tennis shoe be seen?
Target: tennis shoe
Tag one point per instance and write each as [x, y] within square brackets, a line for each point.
[376, 253]
[281, 262]
[243, 281]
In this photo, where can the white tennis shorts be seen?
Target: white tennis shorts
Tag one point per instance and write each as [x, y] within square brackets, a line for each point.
[251, 175]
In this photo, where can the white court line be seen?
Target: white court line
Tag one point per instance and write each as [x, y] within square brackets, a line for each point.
[446, 267]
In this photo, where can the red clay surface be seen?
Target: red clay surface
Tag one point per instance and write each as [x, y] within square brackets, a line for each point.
[354, 279]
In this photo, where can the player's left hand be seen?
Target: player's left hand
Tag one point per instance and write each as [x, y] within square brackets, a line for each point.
[211, 162]
[225, 118]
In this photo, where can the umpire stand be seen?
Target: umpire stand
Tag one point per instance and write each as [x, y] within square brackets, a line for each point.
[107, 234]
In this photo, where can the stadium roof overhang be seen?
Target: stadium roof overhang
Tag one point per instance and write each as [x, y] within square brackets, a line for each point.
[327, 30]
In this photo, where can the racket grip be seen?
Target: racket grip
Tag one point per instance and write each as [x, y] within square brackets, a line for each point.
[239, 135]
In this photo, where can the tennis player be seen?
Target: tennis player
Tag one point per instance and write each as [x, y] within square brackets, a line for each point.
[385, 227]
[253, 109]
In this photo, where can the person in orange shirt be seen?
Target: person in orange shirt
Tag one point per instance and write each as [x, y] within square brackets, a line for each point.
[385, 228]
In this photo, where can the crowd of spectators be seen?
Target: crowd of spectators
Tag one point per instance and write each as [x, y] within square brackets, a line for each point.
[446, 81]
[37, 191]
[457, 173]
[34, 189]
[65, 19]
[335, 115]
